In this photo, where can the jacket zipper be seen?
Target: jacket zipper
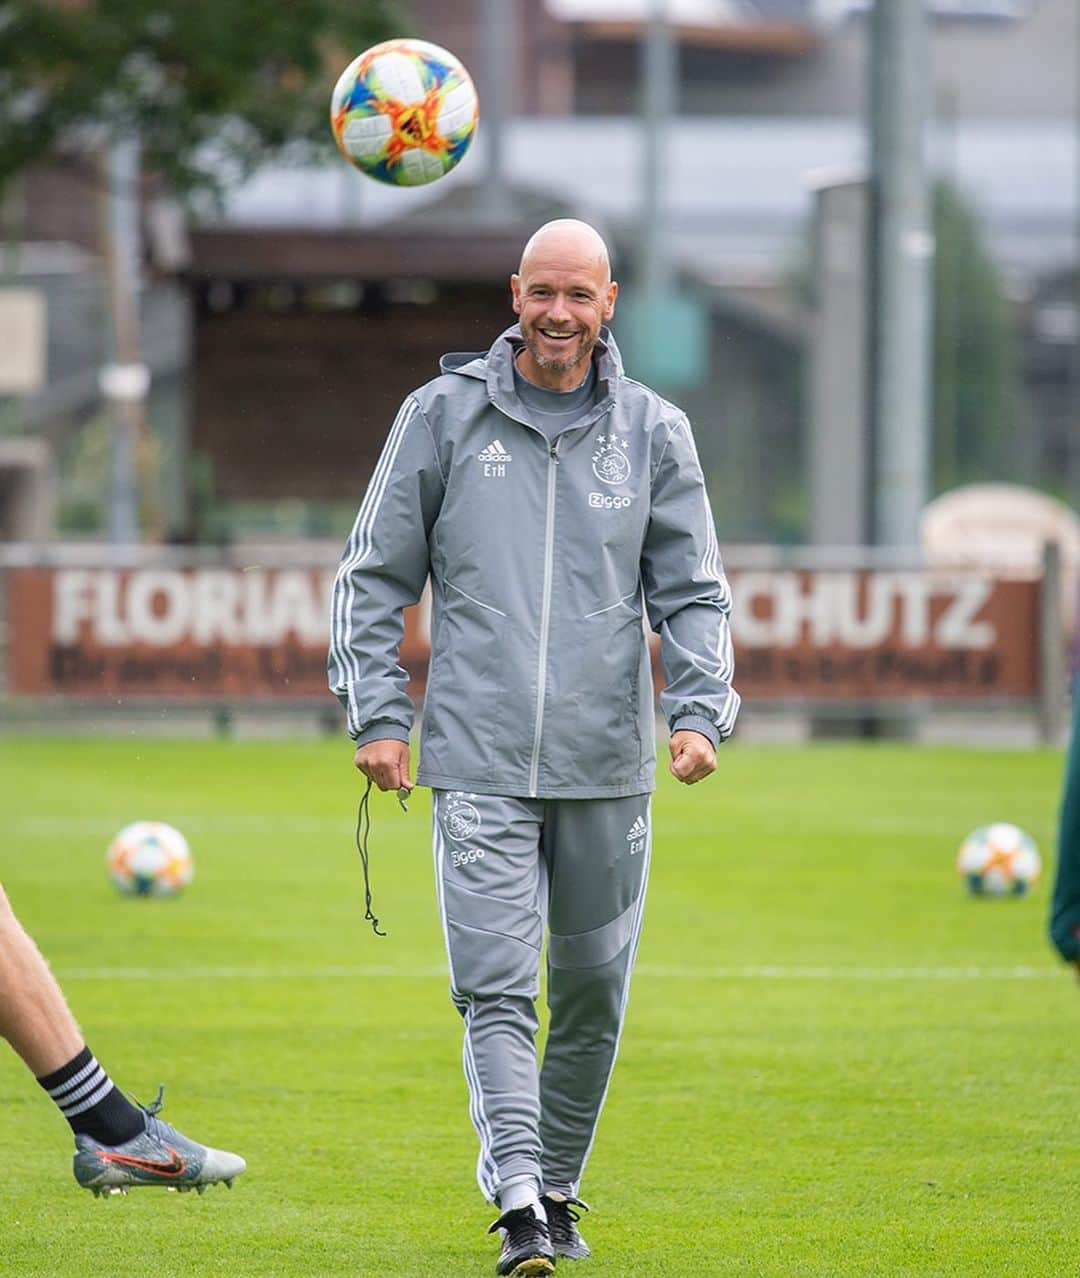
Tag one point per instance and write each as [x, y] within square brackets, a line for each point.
[545, 613]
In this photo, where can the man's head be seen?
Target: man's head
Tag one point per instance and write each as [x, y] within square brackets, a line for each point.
[562, 293]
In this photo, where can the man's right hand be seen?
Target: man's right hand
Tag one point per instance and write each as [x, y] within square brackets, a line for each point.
[386, 762]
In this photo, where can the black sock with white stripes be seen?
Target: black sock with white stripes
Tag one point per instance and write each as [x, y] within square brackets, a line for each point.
[91, 1102]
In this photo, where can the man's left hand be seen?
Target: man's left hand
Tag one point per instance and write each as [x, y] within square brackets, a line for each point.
[692, 756]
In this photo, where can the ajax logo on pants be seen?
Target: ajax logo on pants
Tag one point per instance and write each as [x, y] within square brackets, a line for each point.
[460, 819]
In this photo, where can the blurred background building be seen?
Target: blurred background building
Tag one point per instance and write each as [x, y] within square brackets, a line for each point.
[282, 325]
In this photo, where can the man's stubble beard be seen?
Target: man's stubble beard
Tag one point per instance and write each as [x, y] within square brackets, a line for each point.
[585, 349]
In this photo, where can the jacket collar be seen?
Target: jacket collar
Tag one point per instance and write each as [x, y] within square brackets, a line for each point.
[496, 369]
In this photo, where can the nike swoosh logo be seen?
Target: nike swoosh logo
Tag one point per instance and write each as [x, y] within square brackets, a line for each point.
[174, 1167]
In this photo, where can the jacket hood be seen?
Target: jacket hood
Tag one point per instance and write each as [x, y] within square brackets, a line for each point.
[496, 366]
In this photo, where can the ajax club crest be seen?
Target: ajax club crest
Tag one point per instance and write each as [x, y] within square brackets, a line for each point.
[610, 464]
[460, 819]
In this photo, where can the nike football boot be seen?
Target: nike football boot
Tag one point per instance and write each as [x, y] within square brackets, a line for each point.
[562, 1225]
[526, 1244]
[160, 1155]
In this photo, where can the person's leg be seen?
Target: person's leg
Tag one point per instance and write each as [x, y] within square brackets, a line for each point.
[488, 877]
[33, 1015]
[117, 1144]
[597, 852]
[491, 888]
[35, 1020]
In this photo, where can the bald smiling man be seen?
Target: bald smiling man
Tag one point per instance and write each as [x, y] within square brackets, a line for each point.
[554, 504]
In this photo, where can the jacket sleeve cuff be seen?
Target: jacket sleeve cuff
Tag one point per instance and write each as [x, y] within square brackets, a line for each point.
[695, 723]
[385, 730]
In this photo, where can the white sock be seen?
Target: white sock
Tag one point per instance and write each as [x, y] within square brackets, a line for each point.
[521, 1193]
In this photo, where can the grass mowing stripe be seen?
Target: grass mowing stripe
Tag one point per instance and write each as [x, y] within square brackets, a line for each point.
[645, 971]
[240, 973]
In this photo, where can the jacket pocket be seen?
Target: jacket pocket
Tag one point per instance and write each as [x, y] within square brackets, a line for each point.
[466, 688]
[607, 679]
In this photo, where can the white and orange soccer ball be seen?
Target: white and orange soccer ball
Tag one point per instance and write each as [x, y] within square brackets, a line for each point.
[150, 858]
[404, 112]
[999, 860]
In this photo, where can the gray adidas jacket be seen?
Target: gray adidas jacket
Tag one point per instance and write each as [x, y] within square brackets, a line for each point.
[541, 558]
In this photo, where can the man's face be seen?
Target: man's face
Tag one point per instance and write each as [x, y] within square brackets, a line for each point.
[562, 296]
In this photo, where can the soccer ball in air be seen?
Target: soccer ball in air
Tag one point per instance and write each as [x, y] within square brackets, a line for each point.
[150, 858]
[999, 860]
[404, 112]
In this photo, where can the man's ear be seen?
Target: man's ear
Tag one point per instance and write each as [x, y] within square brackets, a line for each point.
[609, 302]
[515, 293]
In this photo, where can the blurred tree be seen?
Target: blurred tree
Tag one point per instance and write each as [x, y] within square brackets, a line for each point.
[975, 351]
[209, 86]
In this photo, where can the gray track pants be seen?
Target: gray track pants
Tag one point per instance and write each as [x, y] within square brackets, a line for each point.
[504, 867]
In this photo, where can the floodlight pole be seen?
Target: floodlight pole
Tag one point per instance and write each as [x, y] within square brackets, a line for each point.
[901, 248]
[125, 381]
[660, 66]
[500, 52]
[1073, 402]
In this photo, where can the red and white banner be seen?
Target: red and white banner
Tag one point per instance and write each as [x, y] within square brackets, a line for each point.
[223, 632]
[175, 632]
[876, 634]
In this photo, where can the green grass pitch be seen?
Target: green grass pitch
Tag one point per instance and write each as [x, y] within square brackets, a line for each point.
[835, 1062]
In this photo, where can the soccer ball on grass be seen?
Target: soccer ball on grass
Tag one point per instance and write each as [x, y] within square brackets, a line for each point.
[999, 860]
[150, 858]
[404, 112]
